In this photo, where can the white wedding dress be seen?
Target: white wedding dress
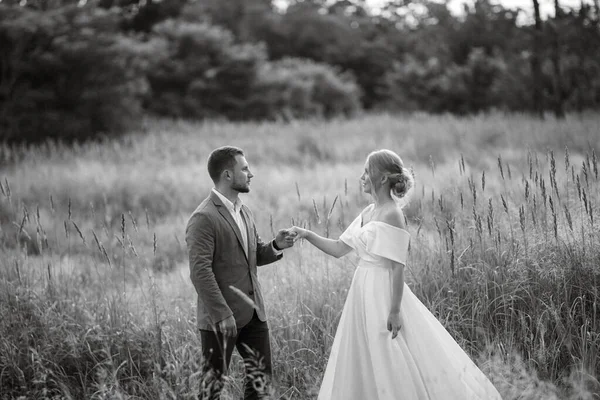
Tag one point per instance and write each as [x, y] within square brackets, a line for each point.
[423, 363]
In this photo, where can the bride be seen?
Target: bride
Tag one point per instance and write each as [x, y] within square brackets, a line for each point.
[388, 346]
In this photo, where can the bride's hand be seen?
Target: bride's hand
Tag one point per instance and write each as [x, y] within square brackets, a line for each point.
[394, 323]
[299, 233]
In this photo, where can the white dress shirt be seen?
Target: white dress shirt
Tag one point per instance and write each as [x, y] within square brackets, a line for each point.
[235, 209]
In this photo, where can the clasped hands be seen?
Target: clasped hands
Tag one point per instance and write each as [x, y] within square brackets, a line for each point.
[287, 237]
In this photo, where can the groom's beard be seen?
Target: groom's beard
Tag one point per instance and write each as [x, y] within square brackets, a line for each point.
[241, 187]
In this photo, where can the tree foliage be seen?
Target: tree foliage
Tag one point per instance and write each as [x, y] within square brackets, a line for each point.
[71, 70]
[66, 73]
[299, 88]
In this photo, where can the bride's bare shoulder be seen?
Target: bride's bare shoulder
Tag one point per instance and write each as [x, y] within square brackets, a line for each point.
[394, 217]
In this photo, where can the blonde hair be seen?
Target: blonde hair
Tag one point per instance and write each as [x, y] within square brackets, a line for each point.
[386, 162]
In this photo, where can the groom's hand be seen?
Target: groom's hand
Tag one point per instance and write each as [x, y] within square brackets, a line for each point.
[285, 239]
[228, 326]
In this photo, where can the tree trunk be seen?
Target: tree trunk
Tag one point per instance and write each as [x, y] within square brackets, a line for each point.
[536, 66]
[559, 111]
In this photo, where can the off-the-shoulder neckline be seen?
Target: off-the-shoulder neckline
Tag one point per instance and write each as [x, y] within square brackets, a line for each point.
[360, 221]
[384, 223]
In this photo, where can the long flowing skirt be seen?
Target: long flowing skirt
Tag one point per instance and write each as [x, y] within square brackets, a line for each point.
[424, 362]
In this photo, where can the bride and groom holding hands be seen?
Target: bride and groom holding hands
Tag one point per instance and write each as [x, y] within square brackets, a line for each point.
[387, 346]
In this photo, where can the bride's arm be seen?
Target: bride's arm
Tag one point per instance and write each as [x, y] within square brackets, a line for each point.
[395, 322]
[397, 286]
[335, 248]
[396, 218]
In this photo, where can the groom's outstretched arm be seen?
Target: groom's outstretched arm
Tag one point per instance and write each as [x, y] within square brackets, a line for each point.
[200, 239]
[283, 240]
[266, 252]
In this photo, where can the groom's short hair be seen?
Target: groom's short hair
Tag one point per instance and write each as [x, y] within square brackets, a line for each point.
[221, 159]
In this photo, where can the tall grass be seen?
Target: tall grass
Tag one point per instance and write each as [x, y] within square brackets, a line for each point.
[94, 290]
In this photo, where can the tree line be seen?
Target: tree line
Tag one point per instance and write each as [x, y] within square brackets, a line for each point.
[72, 69]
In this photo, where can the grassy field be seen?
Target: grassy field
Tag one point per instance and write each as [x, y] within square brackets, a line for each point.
[96, 301]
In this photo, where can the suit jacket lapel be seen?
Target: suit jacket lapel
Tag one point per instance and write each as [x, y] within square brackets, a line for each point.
[225, 213]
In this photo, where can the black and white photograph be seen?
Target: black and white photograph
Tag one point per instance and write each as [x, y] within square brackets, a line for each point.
[299, 200]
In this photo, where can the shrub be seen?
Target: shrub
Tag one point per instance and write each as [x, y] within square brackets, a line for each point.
[297, 88]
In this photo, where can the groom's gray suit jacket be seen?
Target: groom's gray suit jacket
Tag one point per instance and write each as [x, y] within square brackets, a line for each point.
[218, 261]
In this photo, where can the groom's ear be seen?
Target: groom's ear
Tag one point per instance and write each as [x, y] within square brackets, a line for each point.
[226, 174]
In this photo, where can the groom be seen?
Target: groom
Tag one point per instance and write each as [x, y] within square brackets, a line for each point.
[224, 251]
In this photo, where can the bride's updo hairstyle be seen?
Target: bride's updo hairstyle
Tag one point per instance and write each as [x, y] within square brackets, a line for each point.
[386, 162]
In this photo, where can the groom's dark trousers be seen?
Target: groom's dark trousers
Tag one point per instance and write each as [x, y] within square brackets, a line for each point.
[220, 268]
[252, 342]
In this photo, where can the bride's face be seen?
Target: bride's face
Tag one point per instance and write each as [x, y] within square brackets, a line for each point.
[365, 181]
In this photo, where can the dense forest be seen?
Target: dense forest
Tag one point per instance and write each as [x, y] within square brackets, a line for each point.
[73, 69]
